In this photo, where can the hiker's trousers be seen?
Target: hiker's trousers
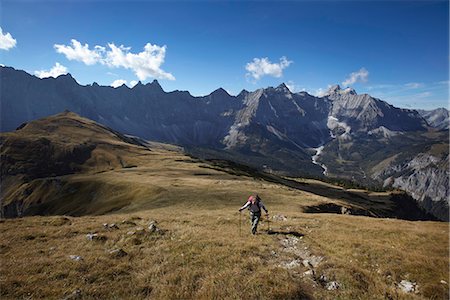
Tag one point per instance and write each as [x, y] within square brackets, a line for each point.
[254, 218]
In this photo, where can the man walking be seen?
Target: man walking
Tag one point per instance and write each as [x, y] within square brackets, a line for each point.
[254, 205]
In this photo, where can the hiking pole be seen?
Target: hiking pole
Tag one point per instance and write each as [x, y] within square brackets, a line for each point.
[239, 223]
[268, 223]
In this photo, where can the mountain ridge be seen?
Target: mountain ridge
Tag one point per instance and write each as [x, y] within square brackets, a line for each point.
[268, 129]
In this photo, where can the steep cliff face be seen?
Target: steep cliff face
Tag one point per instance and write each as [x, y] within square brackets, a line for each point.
[437, 118]
[364, 113]
[425, 177]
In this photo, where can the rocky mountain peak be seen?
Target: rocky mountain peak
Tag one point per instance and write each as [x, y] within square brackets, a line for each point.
[348, 91]
[334, 89]
[220, 92]
[154, 86]
[66, 78]
[282, 88]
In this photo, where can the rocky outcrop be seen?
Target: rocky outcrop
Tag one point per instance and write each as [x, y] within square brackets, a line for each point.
[437, 118]
[365, 113]
[425, 178]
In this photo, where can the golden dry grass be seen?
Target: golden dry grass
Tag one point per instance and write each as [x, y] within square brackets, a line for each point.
[202, 256]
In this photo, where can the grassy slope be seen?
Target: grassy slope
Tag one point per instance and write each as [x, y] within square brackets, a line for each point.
[202, 255]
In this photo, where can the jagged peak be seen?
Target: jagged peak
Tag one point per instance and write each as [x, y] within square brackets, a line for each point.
[220, 92]
[243, 93]
[154, 85]
[282, 87]
[67, 77]
[349, 91]
[334, 89]
[337, 90]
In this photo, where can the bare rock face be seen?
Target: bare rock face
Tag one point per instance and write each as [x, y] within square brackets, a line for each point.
[437, 118]
[425, 177]
[364, 113]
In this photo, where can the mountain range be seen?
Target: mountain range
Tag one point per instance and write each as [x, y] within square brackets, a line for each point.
[342, 134]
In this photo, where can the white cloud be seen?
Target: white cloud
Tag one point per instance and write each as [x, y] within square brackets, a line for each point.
[144, 64]
[6, 40]
[295, 88]
[292, 86]
[54, 72]
[320, 92]
[118, 82]
[80, 52]
[414, 85]
[260, 67]
[424, 95]
[358, 76]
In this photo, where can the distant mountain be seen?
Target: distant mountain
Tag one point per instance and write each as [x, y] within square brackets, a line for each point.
[342, 134]
[67, 164]
[437, 118]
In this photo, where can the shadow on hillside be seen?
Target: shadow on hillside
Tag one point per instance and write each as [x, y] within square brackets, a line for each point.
[400, 206]
[276, 232]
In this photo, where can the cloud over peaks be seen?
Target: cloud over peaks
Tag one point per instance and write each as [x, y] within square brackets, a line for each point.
[118, 82]
[359, 76]
[80, 52]
[6, 40]
[260, 67]
[54, 72]
[144, 64]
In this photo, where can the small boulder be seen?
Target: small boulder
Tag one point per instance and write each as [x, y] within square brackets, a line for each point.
[140, 230]
[76, 257]
[407, 286]
[346, 211]
[315, 260]
[128, 222]
[91, 236]
[153, 228]
[307, 263]
[279, 218]
[291, 264]
[332, 285]
[309, 273]
[113, 226]
[117, 253]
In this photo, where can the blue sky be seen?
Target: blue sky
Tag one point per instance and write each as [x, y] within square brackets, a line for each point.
[395, 50]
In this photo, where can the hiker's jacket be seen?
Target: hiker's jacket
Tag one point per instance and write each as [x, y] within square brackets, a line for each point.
[254, 207]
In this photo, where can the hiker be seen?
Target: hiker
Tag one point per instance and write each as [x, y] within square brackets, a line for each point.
[254, 205]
